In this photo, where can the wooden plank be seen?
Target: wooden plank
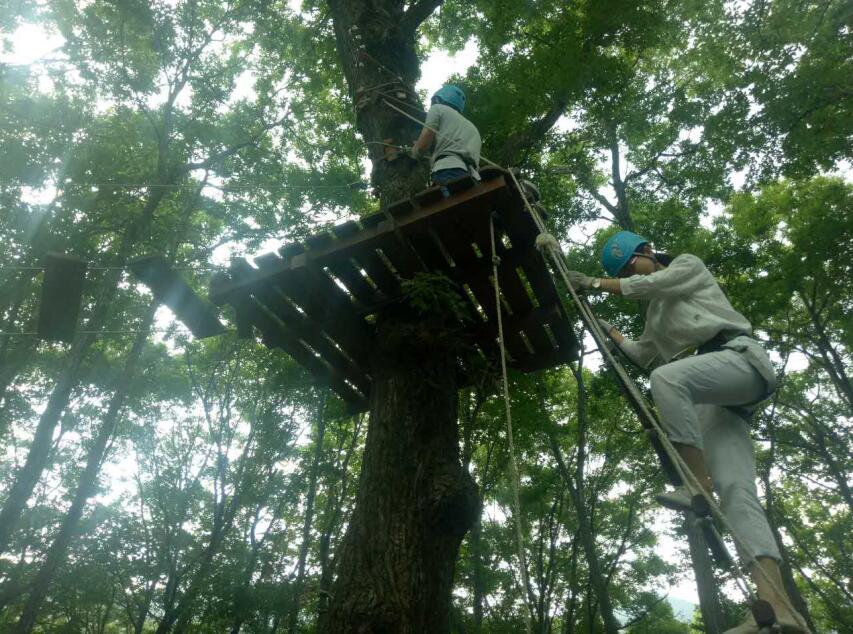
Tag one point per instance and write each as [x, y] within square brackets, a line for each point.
[274, 334]
[540, 361]
[306, 330]
[369, 260]
[475, 272]
[61, 295]
[429, 197]
[522, 231]
[327, 305]
[394, 245]
[512, 287]
[169, 288]
[485, 195]
[342, 268]
[401, 255]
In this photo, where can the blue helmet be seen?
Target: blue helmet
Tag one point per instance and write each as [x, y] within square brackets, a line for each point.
[451, 96]
[618, 250]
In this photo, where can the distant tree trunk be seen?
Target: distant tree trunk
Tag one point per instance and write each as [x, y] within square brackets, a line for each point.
[29, 474]
[180, 615]
[771, 511]
[144, 609]
[475, 537]
[575, 485]
[477, 586]
[308, 520]
[574, 590]
[414, 502]
[332, 514]
[830, 359]
[706, 585]
[88, 481]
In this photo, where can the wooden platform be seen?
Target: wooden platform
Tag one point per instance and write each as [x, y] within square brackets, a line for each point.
[314, 300]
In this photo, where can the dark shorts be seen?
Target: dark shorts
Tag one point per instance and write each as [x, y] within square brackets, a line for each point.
[441, 177]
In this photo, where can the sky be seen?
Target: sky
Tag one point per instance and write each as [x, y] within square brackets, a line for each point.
[31, 43]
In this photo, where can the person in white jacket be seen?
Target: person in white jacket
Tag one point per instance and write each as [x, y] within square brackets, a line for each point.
[707, 375]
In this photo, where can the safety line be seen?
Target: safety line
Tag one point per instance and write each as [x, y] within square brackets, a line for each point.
[690, 481]
[222, 188]
[515, 479]
[111, 268]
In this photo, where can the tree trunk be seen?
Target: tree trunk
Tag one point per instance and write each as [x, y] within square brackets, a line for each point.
[771, 510]
[415, 502]
[180, 615]
[575, 485]
[376, 47]
[706, 584]
[832, 363]
[476, 542]
[309, 517]
[335, 497]
[88, 482]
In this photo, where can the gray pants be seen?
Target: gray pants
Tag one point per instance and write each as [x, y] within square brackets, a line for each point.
[689, 395]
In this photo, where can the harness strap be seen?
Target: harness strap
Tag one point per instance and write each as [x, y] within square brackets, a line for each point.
[718, 343]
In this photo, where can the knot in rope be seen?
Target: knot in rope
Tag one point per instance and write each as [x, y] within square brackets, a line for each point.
[545, 241]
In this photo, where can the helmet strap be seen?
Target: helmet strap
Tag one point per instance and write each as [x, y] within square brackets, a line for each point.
[658, 265]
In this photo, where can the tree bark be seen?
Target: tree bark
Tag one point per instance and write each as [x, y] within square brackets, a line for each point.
[414, 502]
[375, 50]
[706, 585]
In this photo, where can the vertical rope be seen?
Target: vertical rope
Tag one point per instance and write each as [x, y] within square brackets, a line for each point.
[515, 480]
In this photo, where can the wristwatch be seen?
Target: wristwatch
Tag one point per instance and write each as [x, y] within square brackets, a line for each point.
[596, 284]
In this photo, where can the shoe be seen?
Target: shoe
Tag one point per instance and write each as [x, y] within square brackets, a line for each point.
[677, 500]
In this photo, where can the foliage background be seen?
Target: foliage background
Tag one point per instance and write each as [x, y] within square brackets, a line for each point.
[152, 482]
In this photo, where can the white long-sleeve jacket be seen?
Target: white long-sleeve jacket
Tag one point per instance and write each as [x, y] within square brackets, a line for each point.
[686, 309]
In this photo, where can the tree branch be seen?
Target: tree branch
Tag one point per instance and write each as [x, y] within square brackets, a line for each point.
[524, 141]
[417, 14]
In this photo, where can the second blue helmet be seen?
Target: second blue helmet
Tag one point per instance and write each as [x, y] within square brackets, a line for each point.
[450, 95]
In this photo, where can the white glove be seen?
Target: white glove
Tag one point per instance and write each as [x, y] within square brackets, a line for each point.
[545, 241]
[580, 280]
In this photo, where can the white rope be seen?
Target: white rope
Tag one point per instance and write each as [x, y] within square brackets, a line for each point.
[515, 479]
[690, 481]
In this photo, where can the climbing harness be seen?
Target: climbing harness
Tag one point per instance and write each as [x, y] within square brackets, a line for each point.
[704, 505]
